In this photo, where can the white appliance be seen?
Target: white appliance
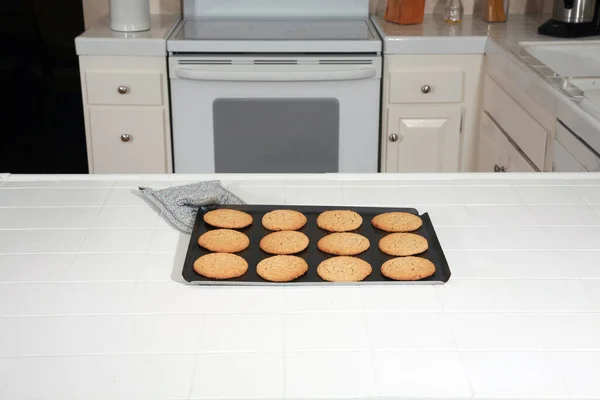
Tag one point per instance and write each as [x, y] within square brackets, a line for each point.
[571, 153]
[129, 15]
[269, 86]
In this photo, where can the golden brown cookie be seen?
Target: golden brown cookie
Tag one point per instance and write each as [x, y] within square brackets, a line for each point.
[344, 269]
[407, 268]
[226, 218]
[397, 222]
[343, 244]
[221, 266]
[283, 220]
[284, 242]
[281, 268]
[339, 220]
[224, 241]
[403, 244]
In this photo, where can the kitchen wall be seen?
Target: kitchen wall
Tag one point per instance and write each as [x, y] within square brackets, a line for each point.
[474, 6]
[93, 10]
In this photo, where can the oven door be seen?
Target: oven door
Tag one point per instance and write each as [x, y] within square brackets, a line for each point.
[283, 115]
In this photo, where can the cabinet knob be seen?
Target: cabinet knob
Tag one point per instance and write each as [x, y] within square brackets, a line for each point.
[425, 89]
[123, 89]
[498, 168]
[394, 138]
[126, 138]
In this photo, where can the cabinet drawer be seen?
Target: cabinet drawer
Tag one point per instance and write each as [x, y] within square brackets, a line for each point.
[142, 151]
[129, 88]
[521, 127]
[426, 86]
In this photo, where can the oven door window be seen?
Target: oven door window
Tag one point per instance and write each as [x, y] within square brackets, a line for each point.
[276, 135]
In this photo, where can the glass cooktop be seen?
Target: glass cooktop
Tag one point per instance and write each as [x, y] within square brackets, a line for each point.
[275, 29]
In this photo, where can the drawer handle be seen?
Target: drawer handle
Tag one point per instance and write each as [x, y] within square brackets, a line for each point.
[394, 138]
[498, 168]
[123, 89]
[126, 138]
[425, 89]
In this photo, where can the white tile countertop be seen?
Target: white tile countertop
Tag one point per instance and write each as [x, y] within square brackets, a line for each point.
[92, 304]
[99, 40]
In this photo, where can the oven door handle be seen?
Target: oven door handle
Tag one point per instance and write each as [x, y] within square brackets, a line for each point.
[274, 76]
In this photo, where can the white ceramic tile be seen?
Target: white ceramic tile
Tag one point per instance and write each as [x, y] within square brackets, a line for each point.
[63, 217]
[134, 184]
[127, 217]
[242, 332]
[28, 336]
[22, 197]
[48, 241]
[557, 195]
[106, 267]
[447, 215]
[425, 195]
[574, 237]
[77, 197]
[476, 295]
[408, 331]
[162, 267]
[591, 194]
[322, 332]
[592, 287]
[260, 195]
[460, 238]
[515, 238]
[399, 298]
[488, 195]
[565, 215]
[368, 196]
[579, 373]
[15, 218]
[356, 183]
[34, 267]
[331, 375]
[500, 215]
[487, 331]
[325, 196]
[29, 184]
[85, 184]
[169, 241]
[245, 300]
[238, 375]
[541, 295]
[7, 237]
[117, 241]
[102, 377]
[420, 374]
[158, 334]
[322, 299]
[63, 298]
[562, 331]
[512, 374]
[122, 197]
[311, 180]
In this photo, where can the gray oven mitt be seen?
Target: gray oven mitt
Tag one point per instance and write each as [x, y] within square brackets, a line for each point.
[181, 203]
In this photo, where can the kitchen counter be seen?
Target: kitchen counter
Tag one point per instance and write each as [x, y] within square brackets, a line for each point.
[99, 40]
[92, 305]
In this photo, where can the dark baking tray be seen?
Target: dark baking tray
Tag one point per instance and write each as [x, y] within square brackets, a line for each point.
[312, 255]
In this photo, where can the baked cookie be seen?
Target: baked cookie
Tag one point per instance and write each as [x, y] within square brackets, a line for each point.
[407, 268]
[281, 268]
[283, 220]
[284, 242]
[344, 269]
[403, 244]
[224, 241]
[397, 222]
[226, 218]
[339, 220]
[343, 244]
[221, 266]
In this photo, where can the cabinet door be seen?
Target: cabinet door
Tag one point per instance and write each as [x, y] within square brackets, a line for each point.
[128, 140]
[423, 139]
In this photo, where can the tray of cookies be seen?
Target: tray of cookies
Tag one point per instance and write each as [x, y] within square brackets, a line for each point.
[263, 244]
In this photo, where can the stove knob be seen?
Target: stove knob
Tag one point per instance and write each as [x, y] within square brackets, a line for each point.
[123, 89]
[425, 89]
[393, 137]
[126, 138]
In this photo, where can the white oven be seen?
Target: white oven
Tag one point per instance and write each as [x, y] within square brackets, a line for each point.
[296, 114]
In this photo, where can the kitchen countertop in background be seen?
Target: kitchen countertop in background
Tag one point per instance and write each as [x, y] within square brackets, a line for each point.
[92, 304]
[99, 40]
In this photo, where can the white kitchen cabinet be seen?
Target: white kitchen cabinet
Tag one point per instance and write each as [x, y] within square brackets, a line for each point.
[497, 153]
[423, 139]
[127, 116]
[432, 103]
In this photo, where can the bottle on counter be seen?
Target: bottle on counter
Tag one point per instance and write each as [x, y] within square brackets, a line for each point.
[453, 11]
[495, 10]
[405, 12]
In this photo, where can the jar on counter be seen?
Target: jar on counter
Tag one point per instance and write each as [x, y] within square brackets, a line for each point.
[495, 10]
[129, 15]
[405, 12]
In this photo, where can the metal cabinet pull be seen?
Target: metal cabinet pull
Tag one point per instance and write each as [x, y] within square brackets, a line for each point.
[123, 89]
[425, 89]
[126, 138]
[393, 137]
